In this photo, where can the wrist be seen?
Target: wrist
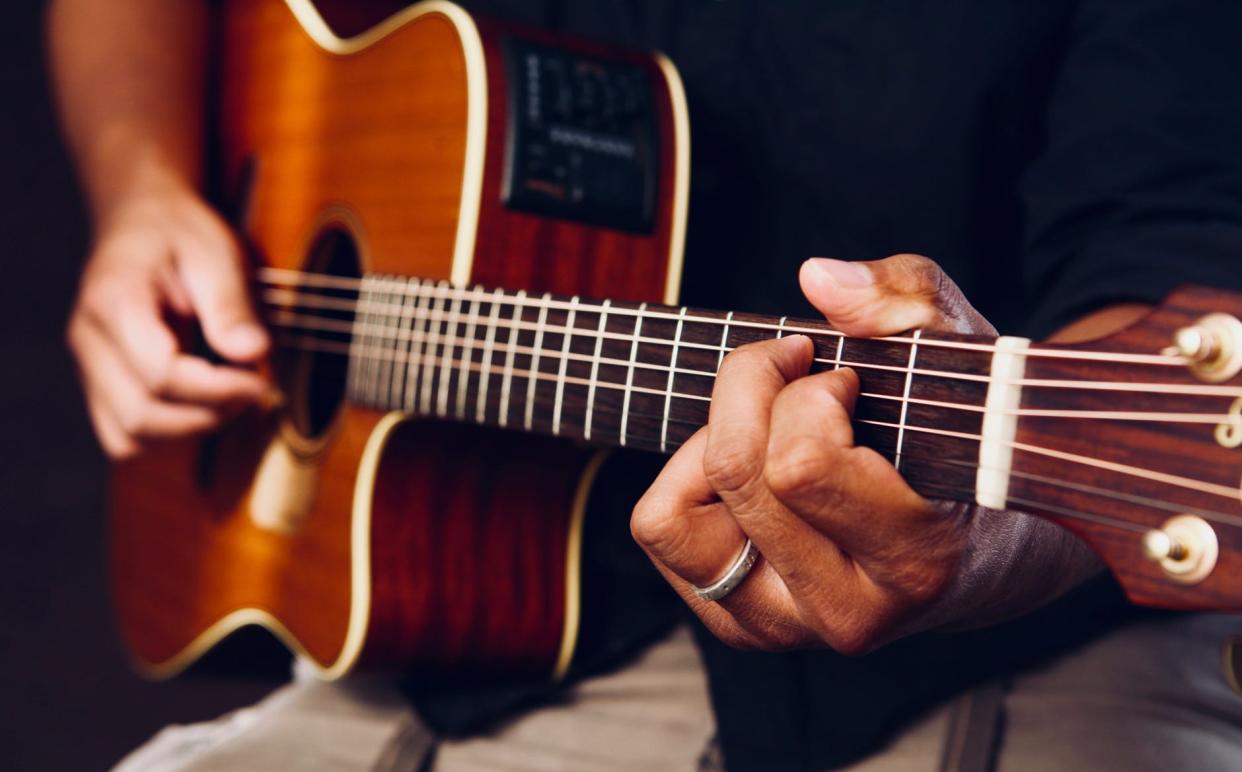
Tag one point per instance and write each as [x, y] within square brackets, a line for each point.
[151, 196]
[136, 174]
[1014, 564]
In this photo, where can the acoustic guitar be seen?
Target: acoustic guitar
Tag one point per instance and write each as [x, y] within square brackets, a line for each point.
[468, 242]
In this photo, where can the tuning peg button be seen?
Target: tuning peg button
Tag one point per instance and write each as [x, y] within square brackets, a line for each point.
[1185, 548]
[1196, 344]
[1158, 545]
[1211, 346]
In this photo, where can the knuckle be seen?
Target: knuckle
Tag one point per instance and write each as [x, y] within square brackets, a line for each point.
[134, 420]
[731, 466]
[121, 450]
[925, 582]
[95, 301]
[854, 638]
[158, 375]
[792, 467]
[658, 527]
[921, 274]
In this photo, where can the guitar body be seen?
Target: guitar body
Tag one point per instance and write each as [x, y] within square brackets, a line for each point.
[364, 538]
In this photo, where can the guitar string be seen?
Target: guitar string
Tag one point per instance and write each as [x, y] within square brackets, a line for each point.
[1166, 388]
[388, 333]
[1128, 498]
[1175, 480]
[285, 276]
[1215, 516]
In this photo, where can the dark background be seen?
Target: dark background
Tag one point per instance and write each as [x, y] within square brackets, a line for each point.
[68, 699]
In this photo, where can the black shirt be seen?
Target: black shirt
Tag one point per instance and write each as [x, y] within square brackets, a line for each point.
[1053, 155]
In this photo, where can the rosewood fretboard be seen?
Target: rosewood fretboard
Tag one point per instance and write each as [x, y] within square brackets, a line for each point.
[627, 374]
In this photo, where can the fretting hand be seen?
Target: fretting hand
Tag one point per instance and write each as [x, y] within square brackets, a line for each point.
[852, 557]
[160, 257]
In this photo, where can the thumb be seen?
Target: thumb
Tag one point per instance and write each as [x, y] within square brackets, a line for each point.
[216, 285]
[889, 296]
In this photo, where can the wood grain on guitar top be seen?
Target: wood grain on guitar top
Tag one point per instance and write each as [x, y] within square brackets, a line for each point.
[469, 536]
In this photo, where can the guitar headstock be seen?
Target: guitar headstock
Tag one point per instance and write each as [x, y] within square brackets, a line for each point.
[1134, 443]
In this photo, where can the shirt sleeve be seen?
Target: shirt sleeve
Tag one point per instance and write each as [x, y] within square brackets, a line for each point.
[1138, 188]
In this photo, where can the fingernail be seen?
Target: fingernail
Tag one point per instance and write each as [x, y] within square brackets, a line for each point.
[842, 273]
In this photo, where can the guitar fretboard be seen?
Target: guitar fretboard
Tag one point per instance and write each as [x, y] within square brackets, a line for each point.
[634, 375]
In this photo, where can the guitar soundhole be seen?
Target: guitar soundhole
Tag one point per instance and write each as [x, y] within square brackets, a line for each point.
[313, 366]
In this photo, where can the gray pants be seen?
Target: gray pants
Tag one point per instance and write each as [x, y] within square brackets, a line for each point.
[1148, 697]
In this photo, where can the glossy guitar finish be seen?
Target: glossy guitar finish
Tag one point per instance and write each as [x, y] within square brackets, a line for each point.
[410, 543]
[372, 168]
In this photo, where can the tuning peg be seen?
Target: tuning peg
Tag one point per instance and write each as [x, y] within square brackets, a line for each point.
[1185, 547]
[1158, 545]
[1212, 347]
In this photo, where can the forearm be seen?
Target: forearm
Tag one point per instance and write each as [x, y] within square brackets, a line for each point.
[131, 99]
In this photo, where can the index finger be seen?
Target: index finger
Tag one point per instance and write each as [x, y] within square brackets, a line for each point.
[735, 460]
[151, 350]
[741, 407]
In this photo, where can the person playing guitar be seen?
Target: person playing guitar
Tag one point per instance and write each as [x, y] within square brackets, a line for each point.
[1102, 157]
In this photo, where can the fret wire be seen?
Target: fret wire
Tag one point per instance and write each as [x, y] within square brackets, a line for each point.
[284, 318]
[401, 371]
[1039, 413]
[488, 344]
[560, 373]
[1150, 359]
[724, 341]
[672, 373]
[540, 326]
[902, 369]
[365, 367]
[391, 370]
[507, 380]
[599, 345]
[1169, 479]
[401, 374]
[1199, 485]
[948, 375]
[381, 296]
[426, 365]
[629, 375]
[354, 368]
[905, 400]
[714, 348]
[373, 338]
[414, 366]
[354, 365]
[383, 371]
[1170, 388]
[840, 348]
[447, 372]
[1086, 414]
[438, 316]
[472, 325]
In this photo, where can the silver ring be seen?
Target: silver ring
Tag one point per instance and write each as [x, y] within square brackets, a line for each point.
[732, 577]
